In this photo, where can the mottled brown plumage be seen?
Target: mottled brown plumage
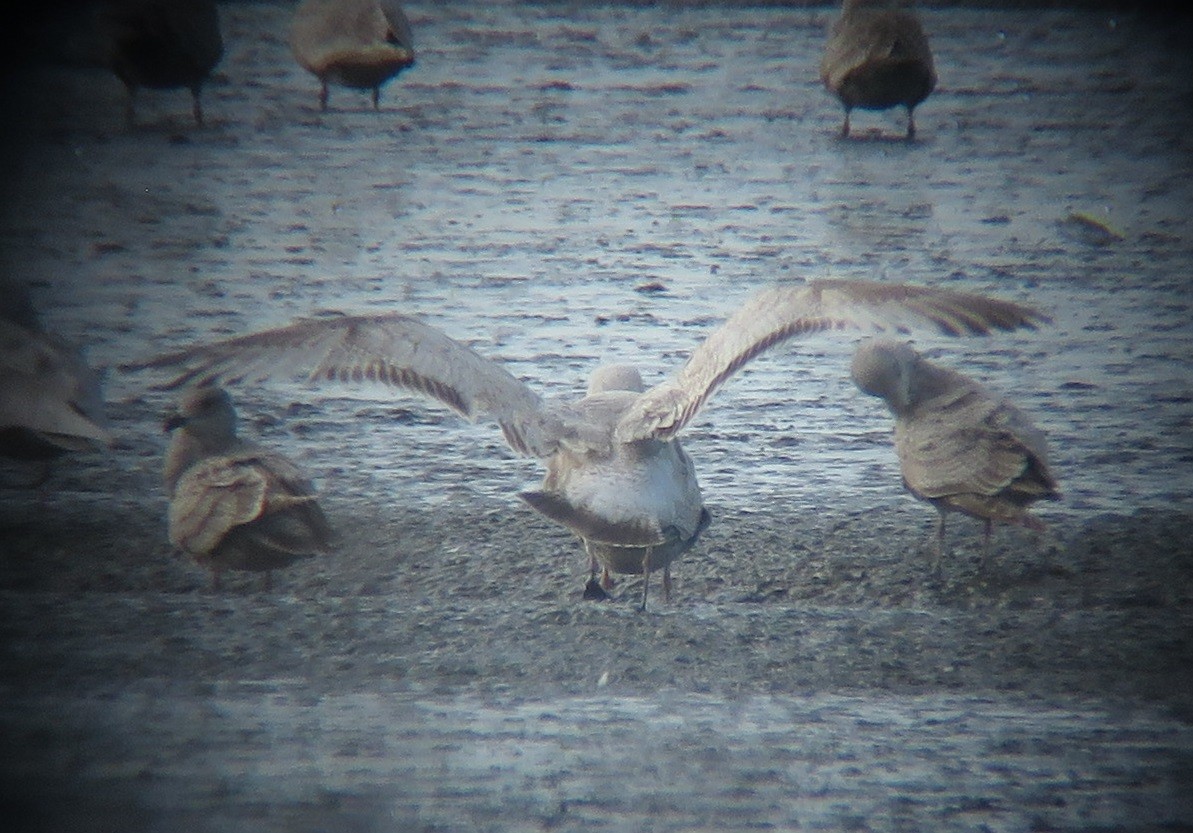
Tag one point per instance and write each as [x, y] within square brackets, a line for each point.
[878, 58]
[616, 475]
[235, 505]
[960, 447]
[162, 44]
[359, 44]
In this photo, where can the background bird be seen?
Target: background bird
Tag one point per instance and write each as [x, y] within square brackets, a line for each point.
[50, 399]
[960, 447]
[235, 505]
[877, 58]
[162, 44]
[359, 44]
[616, 476]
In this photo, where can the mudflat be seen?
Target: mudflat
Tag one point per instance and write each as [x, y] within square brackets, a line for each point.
[561, 186]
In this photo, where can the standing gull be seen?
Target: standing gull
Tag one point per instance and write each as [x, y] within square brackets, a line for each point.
[359, 44]
[50, 400]
[960, 448]
[162, 44]
[235, 505]
[877, 58]
[616, 475]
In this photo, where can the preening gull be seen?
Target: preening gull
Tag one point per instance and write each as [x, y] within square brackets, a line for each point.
[235, 505]
[960, 447]
[359, 44]
[877, 58]
[616, 476]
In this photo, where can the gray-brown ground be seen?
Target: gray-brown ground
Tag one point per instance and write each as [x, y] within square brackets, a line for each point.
[537, 166]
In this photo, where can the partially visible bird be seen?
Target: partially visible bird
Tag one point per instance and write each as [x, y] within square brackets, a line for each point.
[616, 474]
[960, 447]
[359, 44]
[235, 505]
[50, 399]
[162, 44]
[877, 58]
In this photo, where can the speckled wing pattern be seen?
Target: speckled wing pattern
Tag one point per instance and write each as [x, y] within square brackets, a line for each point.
[784, 312]
[390, 349]
[225, 491]
[967, 442]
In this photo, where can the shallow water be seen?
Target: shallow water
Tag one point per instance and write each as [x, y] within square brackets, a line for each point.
[541, 164]
[521, 187]
[820, 762]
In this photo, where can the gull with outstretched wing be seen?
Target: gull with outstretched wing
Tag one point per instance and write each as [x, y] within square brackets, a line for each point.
[616, 475]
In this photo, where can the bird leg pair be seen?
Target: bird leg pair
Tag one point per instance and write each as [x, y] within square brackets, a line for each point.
[988, 528]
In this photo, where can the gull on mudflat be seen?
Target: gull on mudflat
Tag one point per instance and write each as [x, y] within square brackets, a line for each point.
[162, 44]
[877, 57]
[961, 448]
[616, 474]
[50, 399]
[235, 505]
[359, 44]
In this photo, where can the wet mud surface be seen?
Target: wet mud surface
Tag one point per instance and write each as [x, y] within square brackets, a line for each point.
[562, 186]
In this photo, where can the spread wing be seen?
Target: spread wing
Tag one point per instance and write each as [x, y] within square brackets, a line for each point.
[391, 349]
[789, 311]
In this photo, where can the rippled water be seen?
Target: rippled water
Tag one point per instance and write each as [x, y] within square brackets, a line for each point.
[538, 168]
[542, 163]
[816, 762]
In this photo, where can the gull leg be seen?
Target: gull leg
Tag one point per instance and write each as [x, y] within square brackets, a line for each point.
[985, 545]
[323, 96]
[196, 106]
[646, 576]
[594, 589]
[938, 568]
[593, 564]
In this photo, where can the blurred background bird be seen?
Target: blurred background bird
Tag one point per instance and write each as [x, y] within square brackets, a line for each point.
[877, 58]
[359, 44]
[51, 401]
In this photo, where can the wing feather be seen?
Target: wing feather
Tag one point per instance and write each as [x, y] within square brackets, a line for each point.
[971, 444]
[391, 349]
[780, 313]
[212, 498]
